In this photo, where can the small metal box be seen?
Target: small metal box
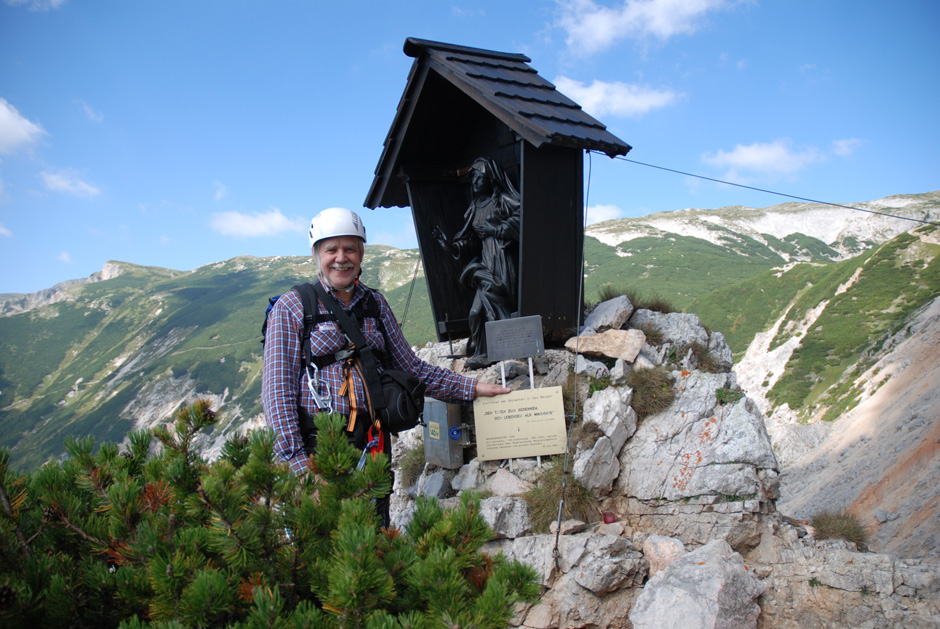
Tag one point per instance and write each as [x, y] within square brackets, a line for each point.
[444, 435]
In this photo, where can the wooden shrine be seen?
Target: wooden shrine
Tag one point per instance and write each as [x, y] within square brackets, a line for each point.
[461, 104]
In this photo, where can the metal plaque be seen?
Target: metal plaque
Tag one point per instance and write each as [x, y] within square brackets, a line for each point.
[514, 338]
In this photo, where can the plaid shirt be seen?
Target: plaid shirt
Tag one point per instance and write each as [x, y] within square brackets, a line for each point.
[283, 377]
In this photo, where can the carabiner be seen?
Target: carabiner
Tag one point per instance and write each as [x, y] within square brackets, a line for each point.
[324, 401]
[365, 451]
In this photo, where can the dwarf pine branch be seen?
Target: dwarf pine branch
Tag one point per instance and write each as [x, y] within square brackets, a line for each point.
[108, 538]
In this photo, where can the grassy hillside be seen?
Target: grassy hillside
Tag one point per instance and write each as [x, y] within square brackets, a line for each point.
[862, 302]
[894, 280]
[113, 352]
[82, 366]
[676, 268]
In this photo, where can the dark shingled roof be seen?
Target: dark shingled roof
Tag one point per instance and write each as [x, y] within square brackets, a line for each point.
[509, 89]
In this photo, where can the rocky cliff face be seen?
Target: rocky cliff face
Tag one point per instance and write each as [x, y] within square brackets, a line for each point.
[690, 533]
[880, 459]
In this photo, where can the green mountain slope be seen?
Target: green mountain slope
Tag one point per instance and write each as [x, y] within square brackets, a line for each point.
[136, 345]
[102, 357]
[676, 268]
[846, 312]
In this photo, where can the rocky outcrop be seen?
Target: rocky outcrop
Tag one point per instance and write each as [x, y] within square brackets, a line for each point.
[708, 587]
[16, 304]
[690, 533]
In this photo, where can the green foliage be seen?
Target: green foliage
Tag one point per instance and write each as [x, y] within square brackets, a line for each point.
[702, 357]
[111, 538]
[586, 434]
[891, 283]
[598, 384]
[652, 390]
[814, 248]
[728, 396]
[654, 336]
[840, 525]
[637, 297]
[411, 464]
[670, 262]
[886, 285]
[742, 309]
[553, 484]
[572, 396]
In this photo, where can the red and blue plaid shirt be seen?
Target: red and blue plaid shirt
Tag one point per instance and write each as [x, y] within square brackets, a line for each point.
[283, 377]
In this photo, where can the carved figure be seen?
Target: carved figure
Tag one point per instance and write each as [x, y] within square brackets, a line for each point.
[489, 239]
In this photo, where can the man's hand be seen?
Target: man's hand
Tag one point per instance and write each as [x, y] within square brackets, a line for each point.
[484, 389]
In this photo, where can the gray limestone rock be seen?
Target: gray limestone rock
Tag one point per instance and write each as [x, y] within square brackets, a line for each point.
[709, 587]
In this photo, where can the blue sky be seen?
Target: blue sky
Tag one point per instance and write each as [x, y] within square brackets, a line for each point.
[177, 134]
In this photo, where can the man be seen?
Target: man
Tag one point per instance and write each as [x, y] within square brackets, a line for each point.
[337, 239]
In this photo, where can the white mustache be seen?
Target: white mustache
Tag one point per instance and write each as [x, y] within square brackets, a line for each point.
[341, 267]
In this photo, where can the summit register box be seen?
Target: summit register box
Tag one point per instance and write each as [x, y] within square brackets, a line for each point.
[445, 437]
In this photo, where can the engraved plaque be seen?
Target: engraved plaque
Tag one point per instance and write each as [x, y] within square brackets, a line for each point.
[514, 338]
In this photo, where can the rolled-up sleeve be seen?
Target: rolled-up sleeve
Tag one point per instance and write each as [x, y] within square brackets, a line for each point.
[281, 379]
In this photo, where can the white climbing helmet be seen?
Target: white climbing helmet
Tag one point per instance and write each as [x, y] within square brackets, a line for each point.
[336, 221]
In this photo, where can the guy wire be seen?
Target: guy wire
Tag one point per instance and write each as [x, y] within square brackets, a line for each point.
[411, 291]
[779, 194]
[577, 349]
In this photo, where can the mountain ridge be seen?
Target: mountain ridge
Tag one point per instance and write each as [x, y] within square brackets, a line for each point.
[836, 226]
[124, 347]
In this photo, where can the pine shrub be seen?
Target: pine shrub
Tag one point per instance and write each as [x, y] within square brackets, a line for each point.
[108, 538]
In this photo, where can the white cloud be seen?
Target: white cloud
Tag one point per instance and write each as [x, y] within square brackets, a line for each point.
[593, 28]
[15, 130]
[845, 147]
[220, 191]
[68, 182]
[92, 115]
[615, 98]
[64, 257]
[37, 5]
[600, 213]
[270, 223]
[5, 232]
[776, 158]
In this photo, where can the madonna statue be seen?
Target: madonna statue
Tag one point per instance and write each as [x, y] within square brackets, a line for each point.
[489, 242]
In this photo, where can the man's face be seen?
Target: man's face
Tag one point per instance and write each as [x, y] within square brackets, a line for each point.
[340, 260]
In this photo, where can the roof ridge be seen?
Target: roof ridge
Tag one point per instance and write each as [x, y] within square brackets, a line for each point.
[414, 47]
